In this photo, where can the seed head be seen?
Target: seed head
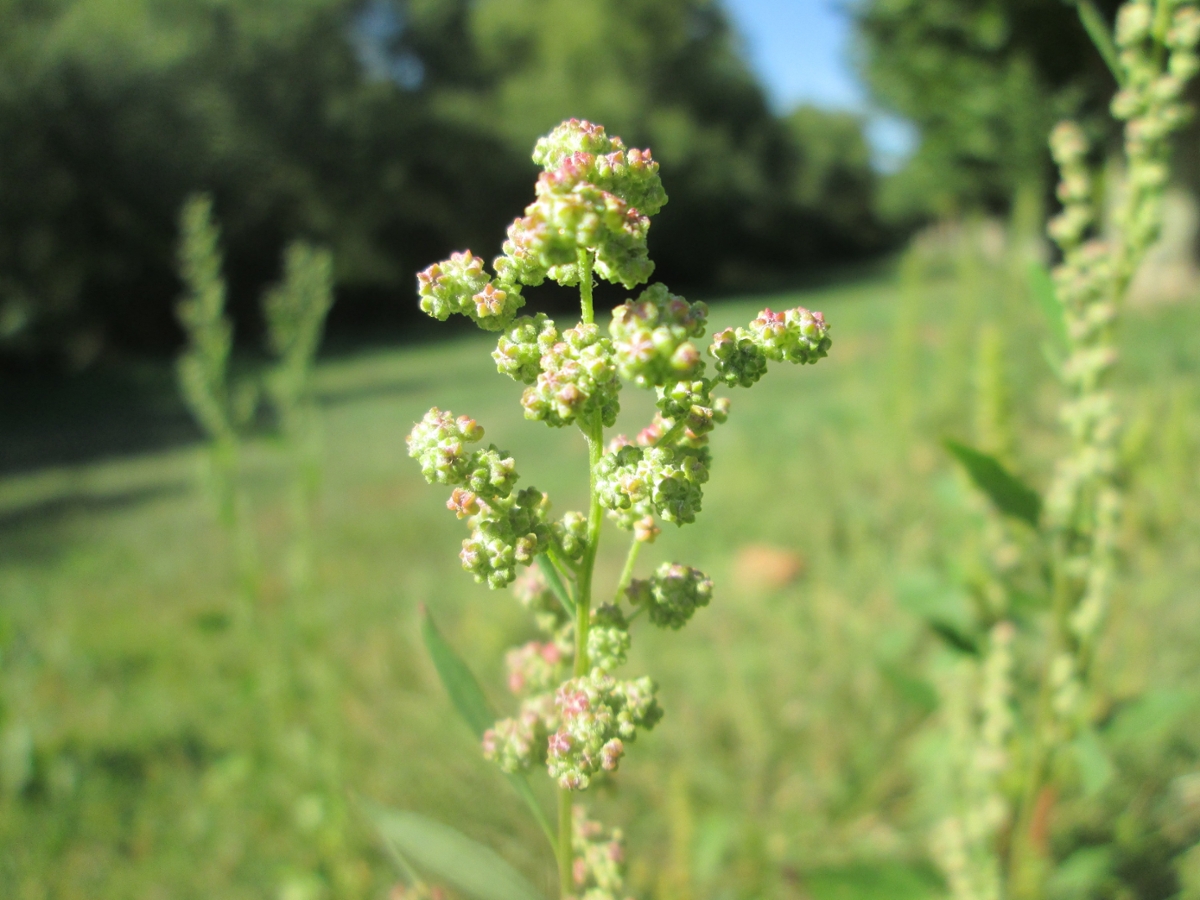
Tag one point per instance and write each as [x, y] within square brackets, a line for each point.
[673, 594]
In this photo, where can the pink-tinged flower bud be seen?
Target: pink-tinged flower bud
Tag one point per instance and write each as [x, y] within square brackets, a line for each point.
[610, 754]
[645, 530]
[463, 503]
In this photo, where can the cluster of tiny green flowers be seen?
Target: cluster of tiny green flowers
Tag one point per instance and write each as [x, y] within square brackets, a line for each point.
[460, 285]
[590, 217]
[508, 528]
[662, 481]
[651, 337]
[672, 594]
[598, 715]
[598, 866]
[794, 335]
[593, 193]
[577, 380]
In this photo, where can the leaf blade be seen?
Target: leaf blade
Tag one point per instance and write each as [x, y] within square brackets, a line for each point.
[458, 680]
[1010, 495]
[550, 573]
[476, 870]
[1041, 285]
[474, 709]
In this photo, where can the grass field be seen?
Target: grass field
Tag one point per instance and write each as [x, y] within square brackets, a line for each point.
[154, 743]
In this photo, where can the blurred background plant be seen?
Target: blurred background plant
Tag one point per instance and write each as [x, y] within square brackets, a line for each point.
[150, 748]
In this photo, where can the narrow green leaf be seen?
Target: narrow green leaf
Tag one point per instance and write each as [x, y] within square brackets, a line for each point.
[1097, 29]
[954, 638]
[473, 707]
[550, 572]
[1041, 285]
[460, 683]
[1011, 495]
[451, 857]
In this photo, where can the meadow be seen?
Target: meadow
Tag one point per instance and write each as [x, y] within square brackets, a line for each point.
[157, 739]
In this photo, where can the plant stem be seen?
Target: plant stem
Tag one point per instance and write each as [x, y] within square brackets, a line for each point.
[565, 857]
[627, 573]
[593, 432]
[586, 261]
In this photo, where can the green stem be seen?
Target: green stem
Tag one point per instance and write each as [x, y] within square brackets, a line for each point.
[627, 573]
[565, 856]
[586, 261]
[593, 431]
[1023, 876]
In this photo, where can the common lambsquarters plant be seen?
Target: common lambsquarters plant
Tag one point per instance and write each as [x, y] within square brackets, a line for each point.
[1027, 731]
[576, 715]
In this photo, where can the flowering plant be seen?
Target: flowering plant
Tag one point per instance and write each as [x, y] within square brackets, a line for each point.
[1022, 735]
[576, 716]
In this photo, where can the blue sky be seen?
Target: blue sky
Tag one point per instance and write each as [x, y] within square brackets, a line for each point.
[801, 49]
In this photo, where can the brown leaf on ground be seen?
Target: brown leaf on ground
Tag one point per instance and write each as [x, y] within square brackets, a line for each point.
[761, 567]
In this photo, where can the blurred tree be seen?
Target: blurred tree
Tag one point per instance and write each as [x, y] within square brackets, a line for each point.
[390, 131]
[983, 81]
[112, 111]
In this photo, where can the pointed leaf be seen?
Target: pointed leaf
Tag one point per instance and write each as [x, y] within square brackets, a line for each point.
[473, 707]
[550, 573]
[1011, 495]
[1097, 29]
[460, 683]
[450, 856]
[1041, 285]
[954, 637]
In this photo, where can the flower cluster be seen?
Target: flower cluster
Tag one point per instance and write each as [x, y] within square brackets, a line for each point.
[593, 197]
[672, 594]
[794, 335]
[589, 219]
[507, 527]
[460, 285]
[598, 865]
[598, 715]
[662, 481]
[651, 337]
[577, 380]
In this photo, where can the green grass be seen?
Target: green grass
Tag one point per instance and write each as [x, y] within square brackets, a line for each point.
[150, 747]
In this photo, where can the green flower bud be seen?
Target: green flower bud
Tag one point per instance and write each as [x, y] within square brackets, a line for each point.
[534, 668]
[519, 743]
[570, 534]
[585, 153]
[672, 594]
[460, 285]
[608, 638]
[534, 595]
[1185, 29]
[571, 137]
[1134, 21]
[598, 716]
[598, 869]
[519, 351]
[577, 380]
[651, 337]
[693, 405]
